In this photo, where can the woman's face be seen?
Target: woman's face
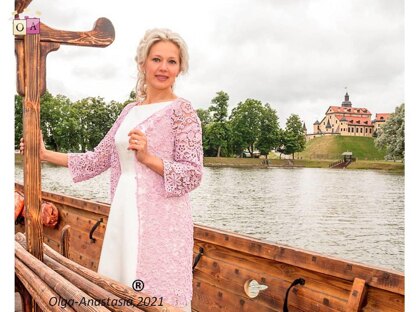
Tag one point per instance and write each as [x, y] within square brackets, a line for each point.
[162, 66]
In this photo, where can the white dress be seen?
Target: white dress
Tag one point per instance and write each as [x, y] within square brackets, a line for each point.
[119, 252]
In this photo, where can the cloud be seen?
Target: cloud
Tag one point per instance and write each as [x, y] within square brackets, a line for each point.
[296, 55]
[104, 72]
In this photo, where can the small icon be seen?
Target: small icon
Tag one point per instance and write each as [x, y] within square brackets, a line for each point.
[33, 26]
[25, 26]
[137, 285]
[19, 27]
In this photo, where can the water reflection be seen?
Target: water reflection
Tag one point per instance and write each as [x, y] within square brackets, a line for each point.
[352, 214]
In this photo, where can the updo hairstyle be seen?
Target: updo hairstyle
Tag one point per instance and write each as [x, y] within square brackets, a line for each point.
[151, 37]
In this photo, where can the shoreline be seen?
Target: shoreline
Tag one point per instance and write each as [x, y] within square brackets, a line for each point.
[258, 163]
[301, 163]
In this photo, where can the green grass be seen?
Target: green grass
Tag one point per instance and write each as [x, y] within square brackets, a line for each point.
[378, 165]
[308, 163]
[232, 162]
[331, 147]
[255, 162]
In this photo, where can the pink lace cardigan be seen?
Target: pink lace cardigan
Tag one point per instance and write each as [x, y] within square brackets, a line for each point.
[164, 261]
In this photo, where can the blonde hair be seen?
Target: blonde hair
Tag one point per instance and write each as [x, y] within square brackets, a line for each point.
[151, 37]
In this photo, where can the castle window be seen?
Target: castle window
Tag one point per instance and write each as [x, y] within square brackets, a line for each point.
[370, 130]
[361, 130]
[366, 130]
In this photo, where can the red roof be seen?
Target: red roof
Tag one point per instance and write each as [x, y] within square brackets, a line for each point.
[349, 110]
[382, 116]
[355, 121]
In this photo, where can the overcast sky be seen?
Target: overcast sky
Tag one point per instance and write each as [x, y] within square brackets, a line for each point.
[297, 55]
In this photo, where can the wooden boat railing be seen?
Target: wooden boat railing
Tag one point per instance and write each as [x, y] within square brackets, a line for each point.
[229, 261]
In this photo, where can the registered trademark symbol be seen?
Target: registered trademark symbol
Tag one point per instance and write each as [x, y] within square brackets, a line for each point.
[137, 285]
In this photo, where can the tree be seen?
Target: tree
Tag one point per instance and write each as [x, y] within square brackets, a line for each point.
[219, 107]
[56, 126]
[218, 134]
[391, 135]
[53, 121]
[68, 126]
[132, 98]
[18, 120]
[205, 118]
[269, 136]
[293, 139]
[95, 118]
[245, 125]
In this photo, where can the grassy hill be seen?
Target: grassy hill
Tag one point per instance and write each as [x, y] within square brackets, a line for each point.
[331, 147]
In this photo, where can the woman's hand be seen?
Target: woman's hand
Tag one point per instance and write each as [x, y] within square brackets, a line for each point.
[138, 143]
[22, 146]
[57, 158]
[42, 147]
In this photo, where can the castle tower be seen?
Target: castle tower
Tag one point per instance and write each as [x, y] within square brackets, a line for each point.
[316, 127]
[347, 102]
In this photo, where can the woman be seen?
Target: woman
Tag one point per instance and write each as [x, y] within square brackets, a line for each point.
[154, 151]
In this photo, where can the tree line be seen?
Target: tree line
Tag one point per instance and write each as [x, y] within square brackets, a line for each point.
[71, 126]
[79, 126]
[250, 127]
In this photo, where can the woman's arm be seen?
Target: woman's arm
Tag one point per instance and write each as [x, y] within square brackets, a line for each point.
[154, 163]
[184, 173]
[84, 166]
[57, 158]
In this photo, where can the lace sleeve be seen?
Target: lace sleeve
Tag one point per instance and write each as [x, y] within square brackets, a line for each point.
[184, 173]
[84, 166]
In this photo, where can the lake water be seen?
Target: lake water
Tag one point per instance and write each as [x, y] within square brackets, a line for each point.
[351, 214]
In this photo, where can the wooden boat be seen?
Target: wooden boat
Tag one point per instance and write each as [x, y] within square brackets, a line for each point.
[229, 262]
[232, 272]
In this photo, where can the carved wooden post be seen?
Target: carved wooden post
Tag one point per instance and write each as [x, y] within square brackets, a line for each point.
[31, 130]
[31, 51]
